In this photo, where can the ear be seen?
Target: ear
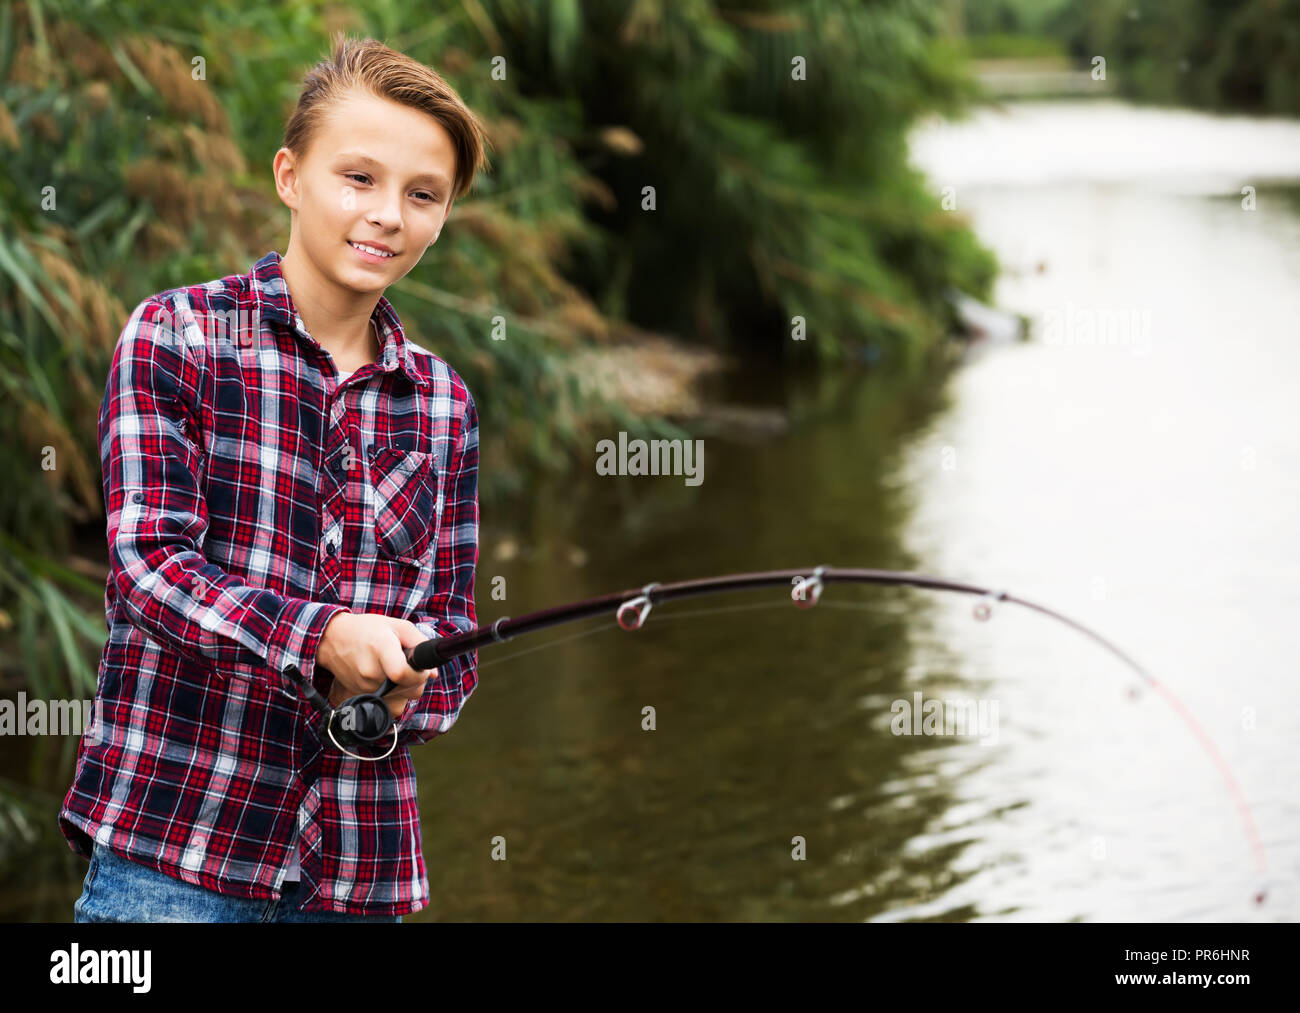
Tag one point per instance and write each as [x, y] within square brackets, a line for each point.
[285, 169]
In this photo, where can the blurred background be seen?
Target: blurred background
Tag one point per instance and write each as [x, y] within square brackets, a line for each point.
[1001, 291]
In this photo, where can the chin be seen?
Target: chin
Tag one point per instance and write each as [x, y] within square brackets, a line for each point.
[348, 270]
[352, 280]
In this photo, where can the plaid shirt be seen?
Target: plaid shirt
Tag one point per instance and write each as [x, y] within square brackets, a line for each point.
[251, 497]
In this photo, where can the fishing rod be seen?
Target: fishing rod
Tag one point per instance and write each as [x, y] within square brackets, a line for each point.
[366, 720]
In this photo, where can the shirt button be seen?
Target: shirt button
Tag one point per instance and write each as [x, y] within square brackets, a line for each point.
[138, 497]
[331, 548]
[199, 841]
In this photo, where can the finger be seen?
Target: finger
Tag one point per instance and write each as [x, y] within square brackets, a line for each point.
[411, 692]
[398, 702]
[395, 665]
[406, 631]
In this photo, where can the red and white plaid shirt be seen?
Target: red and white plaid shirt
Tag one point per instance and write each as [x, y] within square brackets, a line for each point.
[250, 498]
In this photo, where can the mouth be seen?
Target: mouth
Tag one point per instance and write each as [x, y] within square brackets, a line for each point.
[371, 254]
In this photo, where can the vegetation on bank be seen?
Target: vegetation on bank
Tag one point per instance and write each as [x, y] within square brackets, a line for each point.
[137, 143]
[1242, 55]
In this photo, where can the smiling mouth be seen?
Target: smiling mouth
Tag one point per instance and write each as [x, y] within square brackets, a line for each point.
[370, 250]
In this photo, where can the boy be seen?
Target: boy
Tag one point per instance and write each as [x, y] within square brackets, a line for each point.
[292, 499]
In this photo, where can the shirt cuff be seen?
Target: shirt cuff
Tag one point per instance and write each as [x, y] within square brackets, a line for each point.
[291, 654]
[405, 736]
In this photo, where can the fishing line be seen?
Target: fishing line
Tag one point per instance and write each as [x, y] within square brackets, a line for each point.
[1239, 799]
[633, 606]
[549, 644]
[664, 617]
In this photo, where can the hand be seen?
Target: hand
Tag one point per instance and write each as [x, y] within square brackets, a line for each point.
[397, 699]
[361, 650]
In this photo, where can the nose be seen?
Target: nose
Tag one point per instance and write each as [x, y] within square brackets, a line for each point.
[386, 212]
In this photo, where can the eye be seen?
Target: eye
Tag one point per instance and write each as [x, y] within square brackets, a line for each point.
[431, 197]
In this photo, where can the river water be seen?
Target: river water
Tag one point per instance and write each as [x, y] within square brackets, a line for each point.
[1137, 466]
[1134, 466]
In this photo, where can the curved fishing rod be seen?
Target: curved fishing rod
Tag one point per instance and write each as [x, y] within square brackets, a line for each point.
[368, 719]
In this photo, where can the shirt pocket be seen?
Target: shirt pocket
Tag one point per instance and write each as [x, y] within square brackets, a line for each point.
[404, 484]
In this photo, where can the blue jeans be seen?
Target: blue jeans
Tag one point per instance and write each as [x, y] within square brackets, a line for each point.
[119, 890]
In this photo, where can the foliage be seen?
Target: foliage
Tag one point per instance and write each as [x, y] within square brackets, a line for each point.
[1215, 54]
[137, 142]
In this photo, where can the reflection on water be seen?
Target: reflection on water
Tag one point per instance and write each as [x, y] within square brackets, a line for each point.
[1136, 467]
[1131, 468]
[1139, 483]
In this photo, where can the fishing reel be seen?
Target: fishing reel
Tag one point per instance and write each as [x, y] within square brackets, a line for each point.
[359, 721]
[362, 720]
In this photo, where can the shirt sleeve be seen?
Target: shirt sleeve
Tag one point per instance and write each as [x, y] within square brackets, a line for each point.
[449, 606]
[157, 517]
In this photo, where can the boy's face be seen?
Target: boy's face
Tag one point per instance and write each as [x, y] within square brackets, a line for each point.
[398, 199]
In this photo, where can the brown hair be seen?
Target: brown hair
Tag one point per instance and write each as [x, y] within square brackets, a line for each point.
[370, 65]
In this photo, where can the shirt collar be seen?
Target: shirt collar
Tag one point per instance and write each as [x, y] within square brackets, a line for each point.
[271, 294]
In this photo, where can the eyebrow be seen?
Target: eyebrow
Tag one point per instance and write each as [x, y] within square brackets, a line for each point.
[434, 179]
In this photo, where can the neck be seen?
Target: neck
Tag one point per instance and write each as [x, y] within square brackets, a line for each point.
[339, 320]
